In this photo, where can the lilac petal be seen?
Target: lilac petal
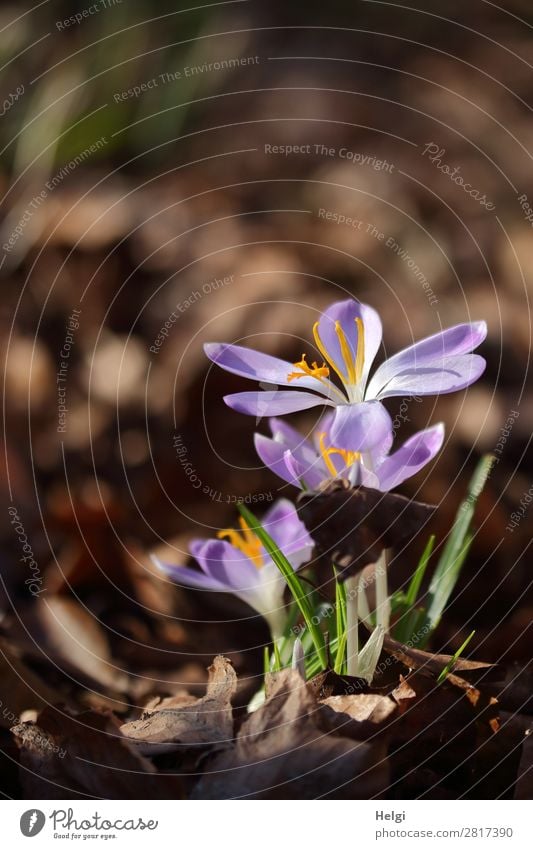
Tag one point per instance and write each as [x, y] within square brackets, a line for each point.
[300, 453]
[288, 532]
[272, 454]
[262, 367]
[413, 455]
[450, 375]
[311, 476]
[226, 565]
[275, 403]
[345, 312]
[186, 577]
[432, 352]
[360, 427]
[359, 475]
[290, 437]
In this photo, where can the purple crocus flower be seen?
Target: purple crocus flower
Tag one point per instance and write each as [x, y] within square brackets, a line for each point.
[348, 336]
[237, 563]
[307, 463]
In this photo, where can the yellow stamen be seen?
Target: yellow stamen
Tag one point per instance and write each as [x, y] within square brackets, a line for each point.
[360, 354]
[346, 352]
[328, 359]
[244, 540]
[308, 371]
[349, 457]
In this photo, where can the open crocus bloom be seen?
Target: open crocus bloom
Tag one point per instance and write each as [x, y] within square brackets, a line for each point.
[237, 563]
[348, 336]
[308, 463]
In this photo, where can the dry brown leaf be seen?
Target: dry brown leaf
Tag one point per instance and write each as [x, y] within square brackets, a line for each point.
[376, 520]
[282, 752]
[75, 639]
[206, 722]
[428, 663]
[359, 716]
[63, 756]
[403, 693]
[21, 689]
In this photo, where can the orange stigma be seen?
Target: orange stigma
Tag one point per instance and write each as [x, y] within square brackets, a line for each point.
[308, 371]
[349, 457]
[244, 540]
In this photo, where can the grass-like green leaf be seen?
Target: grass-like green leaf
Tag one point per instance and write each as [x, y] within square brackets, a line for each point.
[449, 666]
[456, 548]
[298, 592]
[403, 602]
[277, 657]
[340, 606]
[416, 581]
[340, 652]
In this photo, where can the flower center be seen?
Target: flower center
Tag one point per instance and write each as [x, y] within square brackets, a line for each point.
[244, 540]
[349, 457]
[352, 371]
[308, 371]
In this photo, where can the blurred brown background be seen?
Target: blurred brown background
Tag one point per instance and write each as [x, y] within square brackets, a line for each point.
[126, 202]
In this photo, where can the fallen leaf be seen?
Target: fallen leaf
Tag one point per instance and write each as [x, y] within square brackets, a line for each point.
[64, 756]
[282, 752]
[376, 521]
[22, 690]
[204, 722]
[431, 664]
[75, 639]
[358, 716]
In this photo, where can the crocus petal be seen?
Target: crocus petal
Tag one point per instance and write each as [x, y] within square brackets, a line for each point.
[290, 437]
[288, 532]
[360, 427]
[431, 353]
[300, 447]
[359, 475]
[450, 375]
[345, 312]
[272, 454]
[186, 577]
[413, 455]
[311, 476]
[277, 402]
[225, 564]
[264, 368]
